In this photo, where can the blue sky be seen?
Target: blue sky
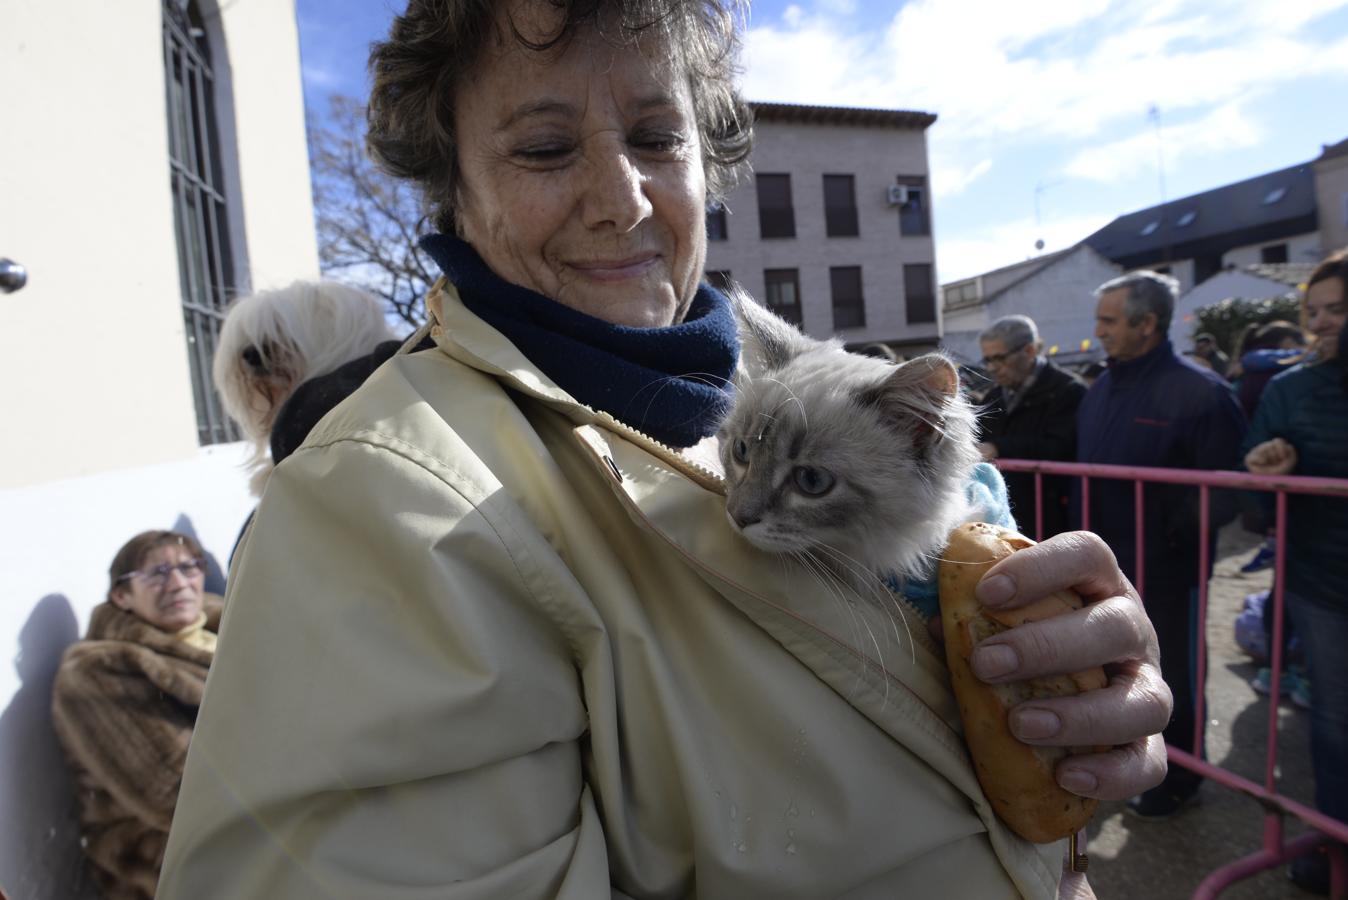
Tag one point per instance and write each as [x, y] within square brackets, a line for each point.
[1037, 99]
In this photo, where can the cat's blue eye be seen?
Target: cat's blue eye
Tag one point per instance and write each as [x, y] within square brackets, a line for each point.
[740, 450]
[813, 481]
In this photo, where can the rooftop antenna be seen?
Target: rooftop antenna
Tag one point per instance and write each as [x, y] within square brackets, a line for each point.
[1154, 114]
[1039, 188]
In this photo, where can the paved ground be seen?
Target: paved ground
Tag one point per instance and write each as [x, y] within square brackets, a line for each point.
[1167, 860]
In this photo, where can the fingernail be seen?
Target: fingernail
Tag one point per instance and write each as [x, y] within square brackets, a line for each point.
[995, 591]
[1033, 724]
[1078, 781]
[994, 661]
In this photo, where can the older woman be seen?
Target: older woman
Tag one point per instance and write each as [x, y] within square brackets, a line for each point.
[493, 635]
[274, 343]
[124, 703]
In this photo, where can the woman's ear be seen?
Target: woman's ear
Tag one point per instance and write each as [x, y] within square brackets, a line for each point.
[120, 597]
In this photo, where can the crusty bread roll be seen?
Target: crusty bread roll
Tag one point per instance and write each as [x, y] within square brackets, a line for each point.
[1017, 778]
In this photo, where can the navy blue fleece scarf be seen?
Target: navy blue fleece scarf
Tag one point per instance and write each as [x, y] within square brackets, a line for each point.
[670, 383]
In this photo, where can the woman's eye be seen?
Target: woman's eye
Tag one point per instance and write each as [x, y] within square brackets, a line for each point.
[543, 152]
[813, 481]
[740, 450]
[659, 142]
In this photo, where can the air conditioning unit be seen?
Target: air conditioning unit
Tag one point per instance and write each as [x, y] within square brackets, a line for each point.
[897, 194]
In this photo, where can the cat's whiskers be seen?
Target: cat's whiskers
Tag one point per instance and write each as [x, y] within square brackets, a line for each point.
[835, 587]
[758, 439]
[708, 378]
[880, 594]
[803, 415]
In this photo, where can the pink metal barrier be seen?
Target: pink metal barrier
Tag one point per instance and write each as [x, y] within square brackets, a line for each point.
[1275, 850]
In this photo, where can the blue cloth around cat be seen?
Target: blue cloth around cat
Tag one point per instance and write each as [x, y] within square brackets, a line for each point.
[671, 383]
[988, 502]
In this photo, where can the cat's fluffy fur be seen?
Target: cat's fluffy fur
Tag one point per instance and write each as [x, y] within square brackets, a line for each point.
[857, 462]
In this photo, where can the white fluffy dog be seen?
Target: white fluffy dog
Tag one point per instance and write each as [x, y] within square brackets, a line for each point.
[274, 341]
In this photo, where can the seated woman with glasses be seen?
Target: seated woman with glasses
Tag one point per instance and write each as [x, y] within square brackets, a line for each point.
[125, 700]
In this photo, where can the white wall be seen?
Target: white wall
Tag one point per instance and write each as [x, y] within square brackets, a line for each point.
[1223, 285]
[99, 418]
[1331, 201]
[56, 542]
[1058, 297]
[273, 158]
[93, 350]
[1301, 248]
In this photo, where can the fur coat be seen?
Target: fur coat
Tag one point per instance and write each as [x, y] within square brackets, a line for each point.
[123, 705]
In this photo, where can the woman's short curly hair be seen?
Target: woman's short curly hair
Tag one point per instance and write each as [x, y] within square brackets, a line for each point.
[434, 44]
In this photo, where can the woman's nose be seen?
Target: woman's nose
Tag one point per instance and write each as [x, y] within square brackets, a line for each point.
[175, 579]
[615, 192]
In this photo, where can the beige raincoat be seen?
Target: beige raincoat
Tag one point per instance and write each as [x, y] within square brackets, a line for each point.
[483, 641]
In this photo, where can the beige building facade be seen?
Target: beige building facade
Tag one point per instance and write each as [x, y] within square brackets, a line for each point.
[833, 227]
[154, 166]
[1331, 195]
[1055, 290]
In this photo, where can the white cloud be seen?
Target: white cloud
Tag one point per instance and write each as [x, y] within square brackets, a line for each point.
[949, 180]
[1041, 68]
[1225, 128]
[320, 77]
[993, 246]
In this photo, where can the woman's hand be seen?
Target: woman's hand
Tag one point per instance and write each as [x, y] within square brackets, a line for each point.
[1112, 631]
[1275, 457]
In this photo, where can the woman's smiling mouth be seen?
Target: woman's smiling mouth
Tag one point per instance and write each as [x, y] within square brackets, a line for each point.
[616, 269]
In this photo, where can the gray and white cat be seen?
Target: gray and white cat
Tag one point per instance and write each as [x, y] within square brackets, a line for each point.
[851, 461]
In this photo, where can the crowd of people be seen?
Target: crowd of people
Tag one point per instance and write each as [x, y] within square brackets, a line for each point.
[1277, 406]
[488, 631]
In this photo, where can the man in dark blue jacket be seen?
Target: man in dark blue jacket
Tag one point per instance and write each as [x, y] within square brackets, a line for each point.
[1154, 408]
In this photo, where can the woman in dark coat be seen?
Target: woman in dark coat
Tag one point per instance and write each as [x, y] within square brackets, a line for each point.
[125, 701]
[1301, 428]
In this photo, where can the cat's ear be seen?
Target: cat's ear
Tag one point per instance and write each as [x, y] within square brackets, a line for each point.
[931, 373]
[767, 341]
[915, 396]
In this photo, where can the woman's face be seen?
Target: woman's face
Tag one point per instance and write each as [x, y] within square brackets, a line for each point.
[1326, 313]
[166, 590]
[581, 174]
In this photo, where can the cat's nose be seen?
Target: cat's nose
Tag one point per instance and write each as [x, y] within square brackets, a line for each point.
[744, 520]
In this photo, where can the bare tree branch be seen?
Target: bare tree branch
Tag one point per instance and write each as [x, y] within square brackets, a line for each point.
[367, 221]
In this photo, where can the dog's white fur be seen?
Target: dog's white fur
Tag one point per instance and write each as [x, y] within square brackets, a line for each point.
[297, 332]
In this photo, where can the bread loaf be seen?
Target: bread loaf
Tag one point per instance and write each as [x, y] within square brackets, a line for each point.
[1016, 777]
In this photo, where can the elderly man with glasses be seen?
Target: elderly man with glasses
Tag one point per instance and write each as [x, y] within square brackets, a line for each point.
[1031, 414]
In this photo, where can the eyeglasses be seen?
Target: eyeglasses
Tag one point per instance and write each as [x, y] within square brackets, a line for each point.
[997, 359]
[158, 576]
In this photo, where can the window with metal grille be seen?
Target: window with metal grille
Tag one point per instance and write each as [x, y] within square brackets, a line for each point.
[919, 294]
[840, 206]
[199, 214]
[776, 216]
[783, 293]
[849, 309]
